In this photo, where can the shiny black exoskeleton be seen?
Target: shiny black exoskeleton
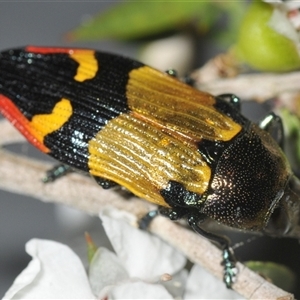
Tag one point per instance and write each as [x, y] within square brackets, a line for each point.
[252, 188]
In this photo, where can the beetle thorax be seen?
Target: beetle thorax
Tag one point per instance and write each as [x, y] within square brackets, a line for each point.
[249, 179]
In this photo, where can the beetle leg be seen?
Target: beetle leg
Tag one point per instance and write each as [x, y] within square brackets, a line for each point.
[145, 221]
[186, 79]
[176, 213]
[105, 183]
[189, 80]
[61, 170]
[56, 172]
[232, 99]
[273, 125]
[172, 73]
[172, 213]
[229, 260]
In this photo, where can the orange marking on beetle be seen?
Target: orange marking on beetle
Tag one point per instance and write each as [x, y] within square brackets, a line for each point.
[88, 64]
[45, 124]
[15, 116]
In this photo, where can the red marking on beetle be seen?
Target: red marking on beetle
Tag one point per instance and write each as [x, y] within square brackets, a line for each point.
[53, 50]
[48, 50]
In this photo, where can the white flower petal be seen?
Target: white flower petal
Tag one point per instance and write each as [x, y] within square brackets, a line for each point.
[292, 4]
[25, 278]
[139, 290]
[105, 270]
[281, 24]
[273, 1]
[284, 5]
[203, 285]
[176, 286]
[55, 272]
[144, 255]
[174, 52]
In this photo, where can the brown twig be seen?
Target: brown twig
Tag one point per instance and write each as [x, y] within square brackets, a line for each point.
[259, 87]
[222, 75]
[22, 175]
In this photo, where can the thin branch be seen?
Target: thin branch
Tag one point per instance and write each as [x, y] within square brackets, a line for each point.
[259, 87]
[222, 75]
[22, 175]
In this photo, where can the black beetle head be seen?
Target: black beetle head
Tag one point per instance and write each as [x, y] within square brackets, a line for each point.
[285, 218]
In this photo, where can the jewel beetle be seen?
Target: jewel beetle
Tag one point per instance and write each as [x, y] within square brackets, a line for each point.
[193, 154]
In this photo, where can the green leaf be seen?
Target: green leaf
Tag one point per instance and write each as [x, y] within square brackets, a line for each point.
[261, 46]
[279, 274]
[291, 123]
[130, 20]
[235, 11]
